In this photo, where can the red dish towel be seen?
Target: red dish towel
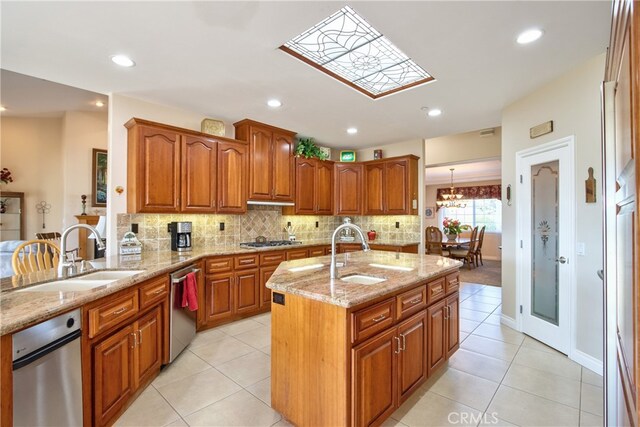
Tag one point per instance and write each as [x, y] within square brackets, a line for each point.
[190, 292]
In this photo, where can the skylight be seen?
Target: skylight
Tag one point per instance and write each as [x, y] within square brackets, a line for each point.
[348, 49]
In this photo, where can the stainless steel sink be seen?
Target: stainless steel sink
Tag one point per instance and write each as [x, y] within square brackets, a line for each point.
[109, 275]
[71, 285]
[362, 279]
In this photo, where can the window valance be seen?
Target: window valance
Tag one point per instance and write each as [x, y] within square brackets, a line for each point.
[476, 192]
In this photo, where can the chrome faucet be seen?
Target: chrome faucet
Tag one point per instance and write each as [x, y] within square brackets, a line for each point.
[365, 245]
[66, 267]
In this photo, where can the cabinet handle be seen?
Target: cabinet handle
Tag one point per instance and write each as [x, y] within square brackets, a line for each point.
[219, 203]
[415, 301]
[399, 348]
[140, 335]
[122, 310]
[379, 318]
[159, 291]
[135, 340]
[404, 342]
[446, 312]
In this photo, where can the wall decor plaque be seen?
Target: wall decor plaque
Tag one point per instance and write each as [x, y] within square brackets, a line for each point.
[212, 127]
[541, 129]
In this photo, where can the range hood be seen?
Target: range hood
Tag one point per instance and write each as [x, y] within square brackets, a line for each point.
[267, 203]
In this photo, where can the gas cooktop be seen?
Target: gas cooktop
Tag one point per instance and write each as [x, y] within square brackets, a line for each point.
[269, 243]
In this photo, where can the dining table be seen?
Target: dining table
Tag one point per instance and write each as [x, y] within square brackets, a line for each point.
[459, 241]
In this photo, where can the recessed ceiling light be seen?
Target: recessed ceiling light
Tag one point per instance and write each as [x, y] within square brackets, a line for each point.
[529, 36]
[434, 112]
[123, 61]
[352, 131]
[99, 104]
[274, 103]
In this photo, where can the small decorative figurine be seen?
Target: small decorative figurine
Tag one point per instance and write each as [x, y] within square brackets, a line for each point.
[84, 204]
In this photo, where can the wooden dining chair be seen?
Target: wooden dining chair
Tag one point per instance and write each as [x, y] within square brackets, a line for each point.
[55, 237]
[433, 245]
[35, 255]
[49, 236]
[467, 254]
[477, 253]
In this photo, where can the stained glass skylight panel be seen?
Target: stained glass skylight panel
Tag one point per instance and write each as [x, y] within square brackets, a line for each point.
[347, 48]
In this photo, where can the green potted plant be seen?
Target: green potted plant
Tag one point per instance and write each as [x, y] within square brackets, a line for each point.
[307, 148]
[453, 227]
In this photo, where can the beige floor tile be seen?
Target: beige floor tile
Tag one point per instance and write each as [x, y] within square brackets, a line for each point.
[247, 369]
[544, 384]
[206, 337]
[197, 391]
[178, 423]
[468, 286]
[490, 347]
[266, 349]
[464, 296]
[478, 306]
[493, 319]
[149, 409]
[491, 291]
[499, 332]
[239, 409]
[463, 336]
[222, 351]
[434, 410]
[590, 420]
[465, 388]
[537, 345]
[525, 409]
[554, 363]
[264, 318]
[240, 326]
[283, 423]
[476, 316]
[256, 338]
[485, 299]
[186, 364]
[479, 365]
[498, 310]
[489, 419]
[591, 399]
[261, 390]
[467, 325]
[390, 422]
[590, 377]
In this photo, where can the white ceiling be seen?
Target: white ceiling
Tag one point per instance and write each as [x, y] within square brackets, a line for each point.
[28, 96]
[464, 172]
[221, 58]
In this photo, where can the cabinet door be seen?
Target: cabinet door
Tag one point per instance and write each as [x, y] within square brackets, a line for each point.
[247, 291]
[374, 185]
[305, 186]
[265, 293]
[348, 191]
[219, 297]
[159, 164]
[260, 164]
[232, 177]
[198, 175]
[324, 188]
[283, 168]
[374, 382]
[453, 324]
[112, 375]
[148, 351]
[412, 360]
[437, 344]
[397, 187]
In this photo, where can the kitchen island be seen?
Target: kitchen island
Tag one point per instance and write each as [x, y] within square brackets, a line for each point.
[345, 353]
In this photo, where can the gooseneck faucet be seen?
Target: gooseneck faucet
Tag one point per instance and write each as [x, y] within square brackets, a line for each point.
[365, 245]
[66, 267]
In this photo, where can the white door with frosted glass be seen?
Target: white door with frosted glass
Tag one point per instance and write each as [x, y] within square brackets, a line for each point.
[546, 236]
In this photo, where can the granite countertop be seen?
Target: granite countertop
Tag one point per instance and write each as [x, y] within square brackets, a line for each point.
[315, 283]
[20, 308]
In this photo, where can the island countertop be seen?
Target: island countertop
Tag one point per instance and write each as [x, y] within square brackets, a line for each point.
[315, 283]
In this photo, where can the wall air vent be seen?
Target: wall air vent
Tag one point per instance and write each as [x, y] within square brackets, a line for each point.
[487, 133]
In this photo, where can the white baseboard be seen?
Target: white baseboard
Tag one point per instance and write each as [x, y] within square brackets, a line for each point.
[587, 361]
[508, 321]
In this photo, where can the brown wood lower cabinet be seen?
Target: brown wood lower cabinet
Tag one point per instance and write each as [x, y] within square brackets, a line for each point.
[443, 328]
[147, 354]
[265, 293]
[247, 291]
[218, 297]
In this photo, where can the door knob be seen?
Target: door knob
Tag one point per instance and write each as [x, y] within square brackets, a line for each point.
[561, 260]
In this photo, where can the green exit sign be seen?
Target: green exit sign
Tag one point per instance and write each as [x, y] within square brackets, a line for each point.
[347, 156]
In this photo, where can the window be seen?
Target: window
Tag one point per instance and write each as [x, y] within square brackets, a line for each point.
[478, 212]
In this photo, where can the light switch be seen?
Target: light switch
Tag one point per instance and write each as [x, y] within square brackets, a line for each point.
[580, 249]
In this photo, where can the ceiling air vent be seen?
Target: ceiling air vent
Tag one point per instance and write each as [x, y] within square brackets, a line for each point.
[487, 133]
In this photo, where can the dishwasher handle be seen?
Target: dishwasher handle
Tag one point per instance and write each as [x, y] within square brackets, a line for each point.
[43, 351]
[176, 280]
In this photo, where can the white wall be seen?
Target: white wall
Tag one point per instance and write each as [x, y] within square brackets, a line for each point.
[491, 241]
[462, 148]
[573, 103]
[31, 148]
[415, 147]
[121, 109]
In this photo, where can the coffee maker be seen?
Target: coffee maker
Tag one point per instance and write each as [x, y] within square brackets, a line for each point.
[180, 236]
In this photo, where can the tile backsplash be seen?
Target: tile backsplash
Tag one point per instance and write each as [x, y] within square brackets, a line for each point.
[265, 221]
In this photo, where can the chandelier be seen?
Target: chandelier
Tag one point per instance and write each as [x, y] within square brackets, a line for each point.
[451, 199]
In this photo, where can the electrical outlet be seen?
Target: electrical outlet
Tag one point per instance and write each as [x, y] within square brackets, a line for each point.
[580, 249]
[222, 226]
[397, 224]
[134, 228]
[317, 224]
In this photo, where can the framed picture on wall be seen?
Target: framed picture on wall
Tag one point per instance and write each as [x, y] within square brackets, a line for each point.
[99, 178]
[430, 212]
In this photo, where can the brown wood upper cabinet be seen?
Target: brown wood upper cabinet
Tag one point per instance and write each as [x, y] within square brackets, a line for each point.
[178, 170]
[314, 188]
[271, 161]
[348, 188]
[391, 186]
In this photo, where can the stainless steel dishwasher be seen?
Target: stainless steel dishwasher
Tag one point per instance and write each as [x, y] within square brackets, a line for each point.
[182, 321]
[47, 373]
